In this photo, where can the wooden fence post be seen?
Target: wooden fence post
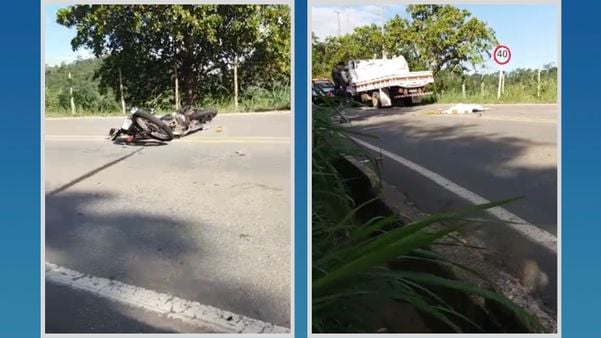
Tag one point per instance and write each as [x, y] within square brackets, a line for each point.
[236, 83]
[121, 92]
[538, 85]
[72, 101]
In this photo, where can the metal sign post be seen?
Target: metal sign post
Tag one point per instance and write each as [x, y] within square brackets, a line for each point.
[501, 55]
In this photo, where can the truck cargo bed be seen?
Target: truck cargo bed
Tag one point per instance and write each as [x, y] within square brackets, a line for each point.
[409, 80]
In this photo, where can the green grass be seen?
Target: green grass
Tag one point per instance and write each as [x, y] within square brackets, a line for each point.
[510, 97]
[352, 277]
[64, 113]
[514, 93]
[254, 99]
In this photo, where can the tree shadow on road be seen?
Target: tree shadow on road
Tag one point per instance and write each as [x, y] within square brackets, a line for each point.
[152, 249]
[465, 155]
[366, 113]
[70, 311]
[493, 165]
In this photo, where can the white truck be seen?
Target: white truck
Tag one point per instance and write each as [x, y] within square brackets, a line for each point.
[386, 82]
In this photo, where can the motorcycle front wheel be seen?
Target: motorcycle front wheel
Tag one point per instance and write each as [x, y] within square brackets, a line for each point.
[153, 126]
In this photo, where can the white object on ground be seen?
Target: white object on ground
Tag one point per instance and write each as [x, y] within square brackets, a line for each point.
[462, 108]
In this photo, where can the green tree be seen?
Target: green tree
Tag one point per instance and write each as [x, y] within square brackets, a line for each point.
[435, 37]
[148, 43]
[270, 60]
[446, 37]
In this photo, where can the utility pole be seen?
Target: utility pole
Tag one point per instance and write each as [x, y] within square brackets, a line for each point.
[121, 91]
[71, 95]
[338, 16]
[348, 25]
[383, 36]
[236, 83]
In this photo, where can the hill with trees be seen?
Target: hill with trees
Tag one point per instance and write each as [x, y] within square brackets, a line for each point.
[197, 53]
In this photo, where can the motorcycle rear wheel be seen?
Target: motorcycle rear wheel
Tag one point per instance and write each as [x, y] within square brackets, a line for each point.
[203, 116]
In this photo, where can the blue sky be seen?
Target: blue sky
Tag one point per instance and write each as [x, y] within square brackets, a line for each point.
[530, 31]
[58, 39]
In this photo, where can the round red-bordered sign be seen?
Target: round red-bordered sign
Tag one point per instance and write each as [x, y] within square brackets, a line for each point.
[501, 55]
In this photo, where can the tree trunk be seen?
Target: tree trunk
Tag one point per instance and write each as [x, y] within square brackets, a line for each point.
[188, 83]
[189, 79]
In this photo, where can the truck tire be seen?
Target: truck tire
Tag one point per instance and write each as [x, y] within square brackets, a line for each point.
[375, 100]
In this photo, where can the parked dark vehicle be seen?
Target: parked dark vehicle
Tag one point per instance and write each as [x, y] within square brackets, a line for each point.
[322, 88]
[144, 124]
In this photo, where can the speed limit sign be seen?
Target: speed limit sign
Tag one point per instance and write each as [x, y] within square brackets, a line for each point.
[502, 55]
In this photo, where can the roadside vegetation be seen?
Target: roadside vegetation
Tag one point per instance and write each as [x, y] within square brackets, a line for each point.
[450, 42]
[521, 86]
[374, 271]
[172, 56]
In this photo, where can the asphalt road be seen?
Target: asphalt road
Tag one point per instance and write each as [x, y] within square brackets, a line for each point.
[506, 152]
[206, 218]
[442, 162]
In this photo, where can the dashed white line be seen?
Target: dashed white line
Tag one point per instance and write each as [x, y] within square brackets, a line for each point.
[204, 317]
[531, 232]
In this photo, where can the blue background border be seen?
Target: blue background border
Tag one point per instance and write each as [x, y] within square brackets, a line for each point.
[20, 169]
[300, 166]
[581, 166]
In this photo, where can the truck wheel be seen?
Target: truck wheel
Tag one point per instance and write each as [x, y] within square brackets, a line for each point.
[375, 100]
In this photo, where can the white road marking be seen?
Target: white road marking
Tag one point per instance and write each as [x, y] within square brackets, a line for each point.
[192, 313]
[531, 232]
[210, 139]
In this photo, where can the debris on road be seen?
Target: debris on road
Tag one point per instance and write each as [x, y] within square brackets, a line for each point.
[464, 109]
